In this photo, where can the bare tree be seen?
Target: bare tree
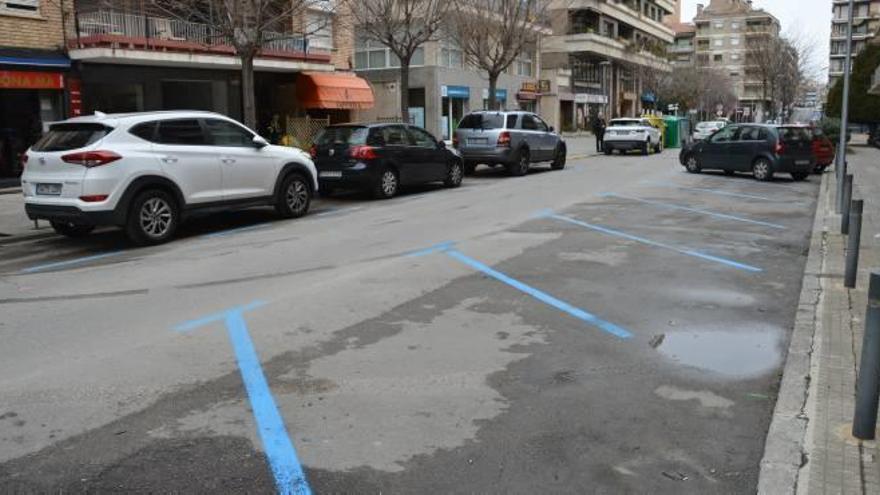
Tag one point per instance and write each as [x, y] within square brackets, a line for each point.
[699, 89]
[761, 59]
[249, 26]
[493, 33]
[402, 26]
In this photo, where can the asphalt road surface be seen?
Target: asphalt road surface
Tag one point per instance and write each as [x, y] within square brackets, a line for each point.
[615, 327]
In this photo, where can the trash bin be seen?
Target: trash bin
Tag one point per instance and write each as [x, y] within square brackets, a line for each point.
[677, 131]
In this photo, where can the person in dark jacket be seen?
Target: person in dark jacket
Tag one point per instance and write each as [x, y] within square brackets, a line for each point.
[599, 130]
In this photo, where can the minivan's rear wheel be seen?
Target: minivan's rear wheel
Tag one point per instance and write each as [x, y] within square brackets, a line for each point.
[521, 166]
[559, 158]
[799, 176]
[387, 185]
[762, 169]
[454, 174]
[294, 197]
[153, 218]
[692, 164]
[72, 229]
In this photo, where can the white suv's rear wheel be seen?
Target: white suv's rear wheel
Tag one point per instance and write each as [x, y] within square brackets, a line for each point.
[153, 218]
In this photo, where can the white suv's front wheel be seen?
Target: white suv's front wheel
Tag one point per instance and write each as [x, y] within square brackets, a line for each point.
[294, 197]
[152, 218]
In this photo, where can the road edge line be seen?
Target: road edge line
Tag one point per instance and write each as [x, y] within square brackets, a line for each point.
[784, 453]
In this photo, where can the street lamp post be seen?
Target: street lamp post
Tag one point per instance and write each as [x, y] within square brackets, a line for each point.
[840, 166]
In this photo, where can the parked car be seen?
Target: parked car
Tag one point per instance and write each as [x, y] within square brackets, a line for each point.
[382, 157]
[763, 150]
[514, 140]
[823, 149]
[146, 172]
[632, 134]
[705, 129]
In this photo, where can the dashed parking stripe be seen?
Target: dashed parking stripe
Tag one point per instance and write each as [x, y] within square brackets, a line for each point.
[284, 463]
[448, 249]
[236, 230]
[713, 191]
[694, 210]
[649, 242]
[75, 261]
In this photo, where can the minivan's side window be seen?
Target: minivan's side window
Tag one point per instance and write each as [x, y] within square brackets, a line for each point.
[725, 135]
[528, 123]
[750, 134]
[541, 126]
[145, 131]
[181, 131]
[511, 121]
[421, 138]
[224, 133]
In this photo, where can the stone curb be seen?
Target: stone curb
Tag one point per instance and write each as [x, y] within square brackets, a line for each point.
[784, 454]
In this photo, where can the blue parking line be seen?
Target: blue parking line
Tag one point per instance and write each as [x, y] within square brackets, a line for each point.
[713, 191]
[694, 210]
[75, 261]
[236, 230]
[283, 461]
[448, 249]
[649, 242]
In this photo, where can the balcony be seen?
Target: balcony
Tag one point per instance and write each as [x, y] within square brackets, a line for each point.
[623, 13]
[618, 49]
[110, 36]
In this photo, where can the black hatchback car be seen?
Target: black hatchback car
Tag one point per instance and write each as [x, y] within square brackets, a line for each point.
[382, 157]
[763, 150]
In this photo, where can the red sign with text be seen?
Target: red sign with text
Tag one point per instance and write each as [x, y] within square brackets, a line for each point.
[74, 90]
[13, 79]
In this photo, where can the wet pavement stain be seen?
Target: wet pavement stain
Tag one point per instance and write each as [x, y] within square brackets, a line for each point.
[732, 353]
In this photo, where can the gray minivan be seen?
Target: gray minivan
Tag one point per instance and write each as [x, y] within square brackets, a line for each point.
[512, 139]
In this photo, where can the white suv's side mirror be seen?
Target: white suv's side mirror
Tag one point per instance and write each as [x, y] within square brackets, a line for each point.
[260, 142]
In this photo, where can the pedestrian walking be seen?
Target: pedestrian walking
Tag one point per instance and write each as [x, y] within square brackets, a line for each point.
[598, 126]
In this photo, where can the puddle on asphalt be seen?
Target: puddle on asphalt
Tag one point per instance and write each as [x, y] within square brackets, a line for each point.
[739, 354]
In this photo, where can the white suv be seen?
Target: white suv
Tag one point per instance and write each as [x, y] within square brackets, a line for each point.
[146, 171]
[632, 134]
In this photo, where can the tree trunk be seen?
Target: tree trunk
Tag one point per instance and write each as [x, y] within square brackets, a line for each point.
[493, 83]
[404, 89]
[248, 103]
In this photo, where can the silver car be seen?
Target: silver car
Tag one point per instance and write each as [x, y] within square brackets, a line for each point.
[512, 139]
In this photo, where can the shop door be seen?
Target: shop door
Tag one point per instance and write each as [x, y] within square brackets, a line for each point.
[20, 127]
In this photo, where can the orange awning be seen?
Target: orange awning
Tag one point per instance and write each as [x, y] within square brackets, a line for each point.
[333, 90]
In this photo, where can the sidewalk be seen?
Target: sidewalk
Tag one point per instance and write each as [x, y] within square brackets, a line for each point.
[809, 447]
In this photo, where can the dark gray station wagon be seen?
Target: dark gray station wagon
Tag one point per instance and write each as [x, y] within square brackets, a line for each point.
[514, 140]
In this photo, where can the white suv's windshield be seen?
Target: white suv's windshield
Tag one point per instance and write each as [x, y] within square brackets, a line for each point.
[703, 126]
[628, 123]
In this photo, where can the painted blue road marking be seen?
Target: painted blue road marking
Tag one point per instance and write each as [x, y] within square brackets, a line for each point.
[338, 211]
[237, 230]
[75, 261]
[286, 469]
[713, 191]
[649, 242]
[436, 248]
[694, 210]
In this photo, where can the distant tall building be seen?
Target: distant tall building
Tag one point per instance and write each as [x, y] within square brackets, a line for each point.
[866, 21]
[681, 52]
[724, 31]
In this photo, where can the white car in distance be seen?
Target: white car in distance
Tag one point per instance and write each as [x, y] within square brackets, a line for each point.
[705, 129]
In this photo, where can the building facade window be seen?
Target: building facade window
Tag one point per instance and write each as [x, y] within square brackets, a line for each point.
[719, 24]
[450, 56]
[524, 65]
[319, 28]
[719, 42]
[734, 41]
[19, 6]
[370, 54]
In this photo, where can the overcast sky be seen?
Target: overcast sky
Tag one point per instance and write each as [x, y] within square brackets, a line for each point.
[807, 18]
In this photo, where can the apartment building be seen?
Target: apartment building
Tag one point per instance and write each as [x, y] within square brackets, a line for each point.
[34, 74]
[130, 56]
[866, 21]
[682, 52]
[443, 87]
[610, 48]
[724, 30]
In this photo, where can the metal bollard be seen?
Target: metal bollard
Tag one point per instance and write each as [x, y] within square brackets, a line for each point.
[847, 198]
[841, 177]
[868, 384]
[852, 248]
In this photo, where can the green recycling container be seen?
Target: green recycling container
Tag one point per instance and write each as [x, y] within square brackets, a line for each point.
[677, 128]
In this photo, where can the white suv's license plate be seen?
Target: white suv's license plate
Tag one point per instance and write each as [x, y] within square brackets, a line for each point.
[49, 189]
[802, 162]
[330, 174]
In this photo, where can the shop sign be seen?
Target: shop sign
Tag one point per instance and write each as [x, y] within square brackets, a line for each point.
[544, 86]
[529, 87]
[589, 98]
[500, 94]
[12, 79]
[74, 89]
[463, 92]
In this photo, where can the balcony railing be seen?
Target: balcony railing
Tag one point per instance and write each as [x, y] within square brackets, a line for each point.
[109, 27]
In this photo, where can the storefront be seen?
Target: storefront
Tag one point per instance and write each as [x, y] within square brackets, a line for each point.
[527, 96]
[500, 98]
[589, 105]
[32, 95]
[454, 104]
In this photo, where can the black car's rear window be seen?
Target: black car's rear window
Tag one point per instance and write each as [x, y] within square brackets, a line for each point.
[794, 134]
[482, 121]
[63, 137]
[342, 135]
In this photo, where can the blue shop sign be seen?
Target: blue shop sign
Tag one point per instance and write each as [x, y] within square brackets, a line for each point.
[457, 92]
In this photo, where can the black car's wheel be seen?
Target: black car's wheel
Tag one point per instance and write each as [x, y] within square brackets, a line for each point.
[559, 158]
[387, 185]
[799, 176]
[454, 174]
[294, 197]
[469, 168]
[692, 164]
[762, 169]
[72, 229]
[519, 167]
[152, 218]
[729, 172]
